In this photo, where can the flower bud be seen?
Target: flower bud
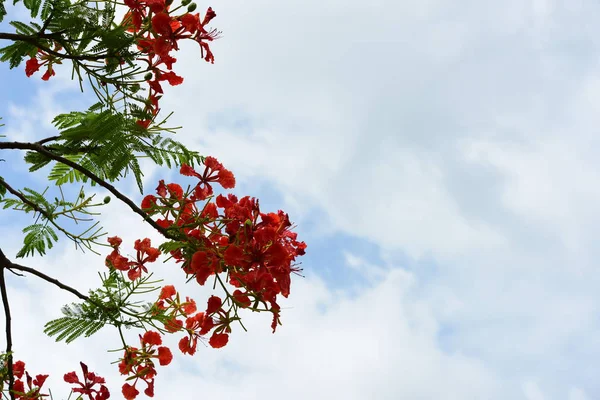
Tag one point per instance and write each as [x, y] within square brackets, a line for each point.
[107, 200]
[185, 2]
[192, 7]
[148, 76]
[82, 195]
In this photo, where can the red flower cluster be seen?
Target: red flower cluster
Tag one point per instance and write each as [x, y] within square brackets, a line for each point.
[145, 253]
[255, 249]
[156, 34]
[34, 385]
[90, 380]
[161, 38]
[33, 64]
[196, 325]
[138, 363]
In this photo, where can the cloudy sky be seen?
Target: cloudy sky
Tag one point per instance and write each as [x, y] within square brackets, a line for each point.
[440, 159]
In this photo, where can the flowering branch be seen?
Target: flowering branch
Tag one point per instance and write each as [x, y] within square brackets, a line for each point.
[44, 151]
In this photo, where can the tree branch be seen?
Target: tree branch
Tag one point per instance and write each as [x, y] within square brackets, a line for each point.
[43, 150]
[24, 199]
[4, 264]
[37, 208]
[47, 278]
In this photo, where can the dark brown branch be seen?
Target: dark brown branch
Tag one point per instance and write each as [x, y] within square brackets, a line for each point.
[43, 150]
[47, 278]
[24, 199]
[4, 264]
[48, 139]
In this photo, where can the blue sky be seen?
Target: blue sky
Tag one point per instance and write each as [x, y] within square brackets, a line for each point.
[440, 160]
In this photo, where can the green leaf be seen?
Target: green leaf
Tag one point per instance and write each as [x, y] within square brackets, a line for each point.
[39, 238]
[33, 6]
[15, 53]
[23, 28]
[62, 173]
[2, 10]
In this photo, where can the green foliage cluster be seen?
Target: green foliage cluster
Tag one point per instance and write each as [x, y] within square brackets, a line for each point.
[105, 143]
[112, 304]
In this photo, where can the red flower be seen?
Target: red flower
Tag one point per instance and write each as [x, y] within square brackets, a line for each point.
[241, 298]
[173, 325]
[210, 14]
[87, 387]
[164, 355]
[189, 307]
[167, 292]
[156, 6]
[144, 123]
[234, 256]
[190, 22]
[129, 391]
[188, 171]
[115, 241]
[19, 369]
[210, 211]
[117, 261]
[187, 346]
[71, 377]
[32, 66]
[161, 23]
[152, 338]
[214, 305]
[226, 179]
[148, 202]
[203, 264]
[50, 72]
[164, 223]
[149, 391]
[218, 340]
[19, 386]
[175, 190]
[172, 78]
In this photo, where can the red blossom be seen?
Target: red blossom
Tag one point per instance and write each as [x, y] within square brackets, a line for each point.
[149, 201]
[32, 66]
[173, 325]
[129, 391]
[218, 340]
[167, 292]
[189, 307]
[152, 338]
[161, 23]
[87, 387]
[214, 305]
[19, 369]
[164, 355]
[115, 241]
